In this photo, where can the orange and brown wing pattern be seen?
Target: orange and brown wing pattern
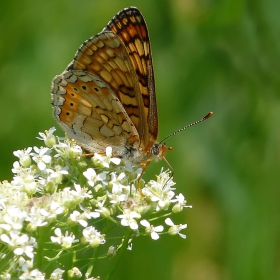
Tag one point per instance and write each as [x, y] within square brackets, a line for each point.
[106, 56]
[90, 113]
[130, 26]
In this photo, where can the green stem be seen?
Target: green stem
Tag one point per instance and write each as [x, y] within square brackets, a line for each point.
[120, 254]
[96, 252]
[41, 244]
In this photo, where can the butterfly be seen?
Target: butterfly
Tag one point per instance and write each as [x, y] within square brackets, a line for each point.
[106, 95]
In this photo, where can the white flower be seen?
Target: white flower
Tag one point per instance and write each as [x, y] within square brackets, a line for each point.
[150, 229]
[79, 193]
[117, 194]
[160, 192]
[93, 237]
[92, 177]
[25, 182]
[175, 229]
[77, 217]
[54, 207]
[35, 219]
[41, 157]
[53, 179]
[48, 137]
[65, 241]
[74, 273]
[14, 199]
[81, 218]
[91, 215]
[105, 161]
[117, 180]
[56, 175]
[181, 203]
[17, 168]
[20, 244]
[56, 185]
[13, 218]
[116, 161]
[24, 157]
[32, 275]
[68, 198]
[128, 219]
[104, 211]
[24, 264]
[68, 149]
[57, 274]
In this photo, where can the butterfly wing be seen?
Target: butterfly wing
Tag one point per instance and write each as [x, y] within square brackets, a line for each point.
[123, 60]
[131, 28]
[106, 95]
[90, 113]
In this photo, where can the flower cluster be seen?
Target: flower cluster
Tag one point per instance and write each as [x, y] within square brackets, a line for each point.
[62, 202]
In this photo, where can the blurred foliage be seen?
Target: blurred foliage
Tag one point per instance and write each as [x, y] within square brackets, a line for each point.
[209, 55]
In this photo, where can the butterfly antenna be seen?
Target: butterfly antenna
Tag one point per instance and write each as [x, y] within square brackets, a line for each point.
[189, 125]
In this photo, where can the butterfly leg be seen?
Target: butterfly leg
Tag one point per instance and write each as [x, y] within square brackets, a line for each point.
[88, 155]
[139, 188]
[92, 154]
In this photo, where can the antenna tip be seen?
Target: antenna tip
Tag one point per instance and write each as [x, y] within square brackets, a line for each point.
[170, 148]
[210, 114]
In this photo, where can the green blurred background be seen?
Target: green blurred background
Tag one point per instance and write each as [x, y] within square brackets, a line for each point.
[209, 55]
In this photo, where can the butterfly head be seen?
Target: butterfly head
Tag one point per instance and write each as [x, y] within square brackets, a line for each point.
[159, 150]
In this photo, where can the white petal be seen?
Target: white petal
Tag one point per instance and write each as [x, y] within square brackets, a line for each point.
[83, 223]
[183, 226]
[41, 165]
[43, 151]
[169, 222]
[135, 215]
[154, 235]
[95, 215]
[133, 225]
[108, 151]
[46, 158]
[145, 223]
[5, 238]
[182, 235]
[18, 251]
[124, 222]
[116, 161]
[158, 228]
[57, 231]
